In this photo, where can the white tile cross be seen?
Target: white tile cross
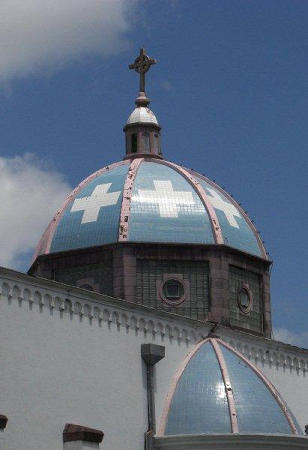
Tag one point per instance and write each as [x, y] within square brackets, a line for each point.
[228, 209]
[91, 205]
[166, 198]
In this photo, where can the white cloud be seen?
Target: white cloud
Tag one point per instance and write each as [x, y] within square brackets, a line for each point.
[35, 34]
[30, 194]
[290, 337]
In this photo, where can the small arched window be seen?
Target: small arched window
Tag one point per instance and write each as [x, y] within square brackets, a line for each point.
[134, 143]
[145, 142]
[156, 139]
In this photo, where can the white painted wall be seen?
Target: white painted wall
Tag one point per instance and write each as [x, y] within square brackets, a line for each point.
[60, 367]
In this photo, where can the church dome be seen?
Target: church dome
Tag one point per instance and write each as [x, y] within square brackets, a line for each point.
[149, 200]
[218, 391]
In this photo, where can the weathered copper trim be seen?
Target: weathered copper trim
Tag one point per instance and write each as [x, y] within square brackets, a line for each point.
[231, 199]
[228, 386]
[203, 197]
[127, 196]
[266, 381]
[44, 247]
[174, 382]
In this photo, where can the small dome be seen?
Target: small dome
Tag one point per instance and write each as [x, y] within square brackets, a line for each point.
[163, 203]
[141, 114]
[218, 391]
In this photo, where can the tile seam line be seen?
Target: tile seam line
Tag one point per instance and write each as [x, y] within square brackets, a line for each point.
[268, 384]
[228, 386]
[216, 230]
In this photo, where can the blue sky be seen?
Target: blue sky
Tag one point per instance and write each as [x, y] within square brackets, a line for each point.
[229, 89]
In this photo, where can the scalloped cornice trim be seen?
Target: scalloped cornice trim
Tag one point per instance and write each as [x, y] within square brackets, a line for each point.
[101, 309]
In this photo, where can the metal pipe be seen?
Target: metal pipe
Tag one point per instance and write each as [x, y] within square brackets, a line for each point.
[151, 403]
[151, 354]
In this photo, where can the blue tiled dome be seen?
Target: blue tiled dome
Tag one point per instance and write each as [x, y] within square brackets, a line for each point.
[217, 391]
[162, 202]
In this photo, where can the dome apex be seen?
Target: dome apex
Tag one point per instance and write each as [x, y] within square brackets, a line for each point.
[142, 114]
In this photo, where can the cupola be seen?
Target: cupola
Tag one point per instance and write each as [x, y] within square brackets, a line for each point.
[142, 130]
[150, 231]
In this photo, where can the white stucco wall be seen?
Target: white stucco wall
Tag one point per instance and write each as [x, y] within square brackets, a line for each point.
[84, 366]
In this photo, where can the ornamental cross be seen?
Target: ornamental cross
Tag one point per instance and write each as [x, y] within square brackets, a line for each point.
[227, 208]
[91, 205]
[165, 197]
[141, 65]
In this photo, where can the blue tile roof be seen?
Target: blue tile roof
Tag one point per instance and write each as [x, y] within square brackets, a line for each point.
[235, 230]
[165, 207]
[199, 403]
[75, 230]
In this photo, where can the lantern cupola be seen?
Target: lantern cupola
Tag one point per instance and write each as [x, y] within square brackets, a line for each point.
[142, 130]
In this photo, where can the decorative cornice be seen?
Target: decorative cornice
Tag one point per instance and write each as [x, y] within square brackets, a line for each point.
[100, 309]
[267, 352]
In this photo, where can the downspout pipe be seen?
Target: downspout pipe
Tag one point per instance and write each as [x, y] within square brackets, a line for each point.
[151, 355]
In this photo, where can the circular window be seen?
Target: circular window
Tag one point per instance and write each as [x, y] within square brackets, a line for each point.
[173, 291]
[244, 300]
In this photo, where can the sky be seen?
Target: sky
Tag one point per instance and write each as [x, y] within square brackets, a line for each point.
[230, 90]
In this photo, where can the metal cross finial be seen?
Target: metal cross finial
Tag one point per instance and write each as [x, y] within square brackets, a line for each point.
[141, 65]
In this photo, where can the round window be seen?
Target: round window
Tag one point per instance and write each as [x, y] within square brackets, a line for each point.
[244, 300]
[173, 291]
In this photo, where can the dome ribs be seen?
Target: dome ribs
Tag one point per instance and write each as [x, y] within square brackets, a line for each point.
[126, 201]
[236, 374]
[203, 197]
[239, 207]
[267, 383]
[174, 383]
[227, 382]
[51, 229]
